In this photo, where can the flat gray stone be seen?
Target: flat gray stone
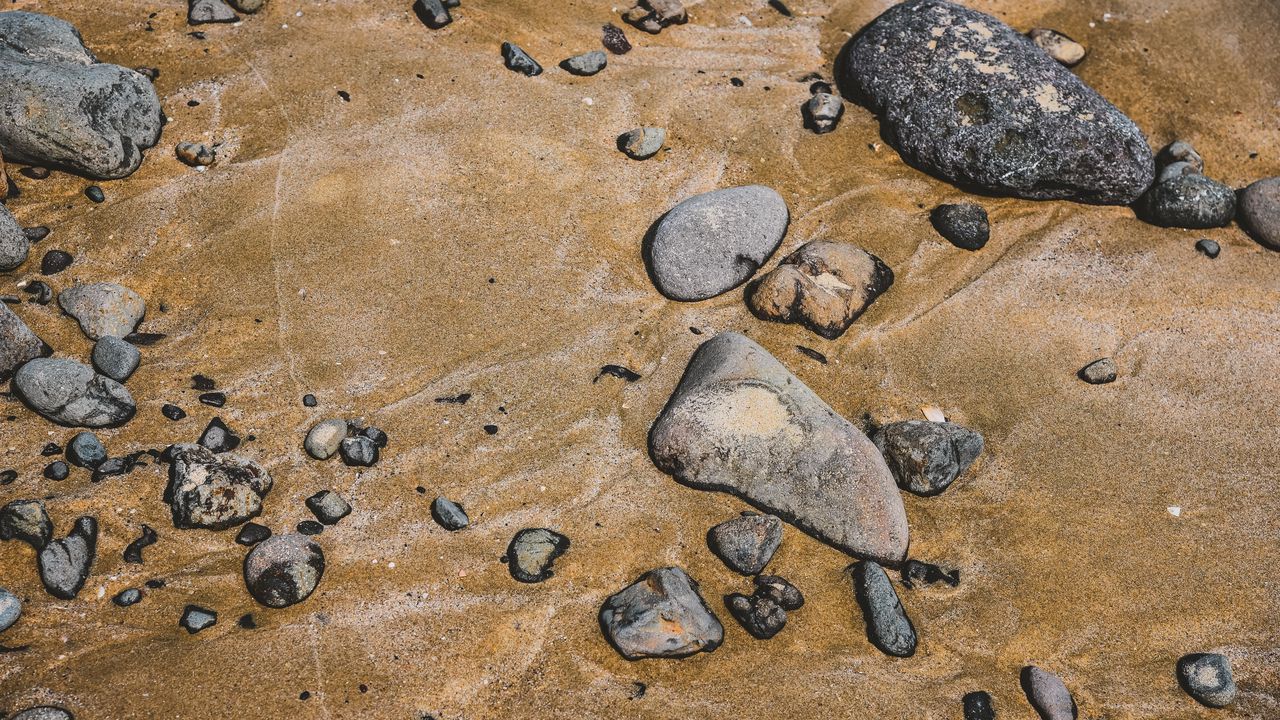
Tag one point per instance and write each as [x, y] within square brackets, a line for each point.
[531, 553]
[103, 308]
[10, 609]
[324, 438]
[1099, 372]
[115, 358]
[14, 243]
[195, 618]
[18, 343]
[449, 514]
[713, 242]
[926, 457]
[746, 543]
[26, 520]
[1207, 678]
[822, 112]
[586, 64]
[888, 627]
[283, 570]
[1048, 694]
[64, 564]
[328, 506]
[660, 615]
[1259, 212]
[213, 491]
[72, 394]
[642, 143]
[43, 712]
[741, 422]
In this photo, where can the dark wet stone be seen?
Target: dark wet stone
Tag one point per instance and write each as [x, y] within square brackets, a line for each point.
[26, 520]
[1207, 678]
[1259, 212]
[1190, 201]
[925, 457]
[18, 343]
[310, 527]
[618, 371]
[37, 233]
[127, 597]
[35, 172]
[978, 706]
[1047, 694]
[55, 261]
[133, 553]
[531, 553]
[218, 437]
[378, 437]
[94, 193]
[202, 383]
[433, 13]
[50, 449]
[964, 225]
[614, 40]
[252, 533]
[8, 476]
[642, 143]
[173, 412]
[359, 451]
[1099, 372]
[103, 308]
[746, 543]
[962, 95]
[110, 468]
[247, 622]
[115, 358]
[449, 514]
[653, 15]
[759, 615]
[10, 609]
[15, 245]
[43, 712]
[661, 614]
[787, 596]
[309, 400]
[39, 291]
[518, 60]
[64, 564]
[1208, 248]
[888, 627]
[823, 285]
[57, 470]
[195, 618]
[214, 491]
[328, 506]
[86, 450]
[283, 570]
[213, 399]
[1058, 46]
[200, 12]
[586, 64]
[916, 573]
[194, 154]
[822, 112]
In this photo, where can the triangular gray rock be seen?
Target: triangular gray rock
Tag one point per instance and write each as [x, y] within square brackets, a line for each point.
[660, 615]
[18, 343]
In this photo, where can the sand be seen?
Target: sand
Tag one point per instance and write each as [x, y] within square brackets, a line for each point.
[475, 230]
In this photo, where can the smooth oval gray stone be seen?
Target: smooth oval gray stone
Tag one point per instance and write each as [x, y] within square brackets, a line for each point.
[1207, 678]
[660, 615]
[86, 450]
[325, 437]
[642, 143]
[14, 243]
[200, 12]
[72, 394]
[962, 95]
[283, 570]
[64, 564]
[531, 553]
[43, 712]
[26, 520]
[1259, 212]
[713, 242]
[926, 457]
[449, 514]
[1048, 694]
[61, 108]
[746, 543]
[103, 308]
[1190, 201]
[115, 358]
[888, 627]
[10, 609]
[18, 343]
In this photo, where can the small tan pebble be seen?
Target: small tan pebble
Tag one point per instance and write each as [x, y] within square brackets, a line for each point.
[1059, 46]
[195, 154]
[933, 413]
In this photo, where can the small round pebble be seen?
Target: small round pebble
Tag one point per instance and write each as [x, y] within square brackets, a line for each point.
[86, 450]
[328, 506]
[283, 570]
[173, 412]
[194, 154]
[94, 193]
[252, 534]
[977, 706]
[10, 609]
[1058, 46]
[359, 451]
[1207, 678]
[55, 261]
[1099, 372]
[310, 527]
[115, 358]
[1190, 201]
[449, 514]
[964, 225]
[309, 400]
[37, 233]
[57, 470]
[127, 597]
[1208, 248]
[642, 142]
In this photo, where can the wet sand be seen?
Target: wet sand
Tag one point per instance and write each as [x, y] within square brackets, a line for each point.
[475, 230]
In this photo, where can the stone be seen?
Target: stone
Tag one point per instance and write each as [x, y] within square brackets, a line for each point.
[248, 6]
[823, 285]
[195, 618]
[713, 242]
[660, 615]
[200, 12]
[57, 470]
[531, 553]
[1175, 170]
[214, 491]
[14, 243]
[962, 95]
[115, 358]
[822, 112]
[1099, 372]
[325, 437]
[925, 457]
[194, 154]
[359, 451]
[103, 308]
[40, 292]
[653, 15]
[283, 570]
[782, 592]
[378, 437]
[37, 233]
[328, 506]
[61, 108]
[518, 60]
[746, 543]
[888, 627]
[1259, 212]
[64, 564]
[218, 437]
[614, 39]
[172, 412]
[916, 573]
[1205, 677]
[127, 597]
[1058, 46]
[55, 261]
[964, 225]
[86, 450]
[1047, 694]
[310, 527]
[978, 706]
[642, 143]
[741, 422]
[147, 538]
[1208, 248]
[251, 533]
[760, 616]
[1181, 151]
[18, 343]
[449, 514]
[309, 400]
[586, 64]
[26, 520]
[10, 609]
[433, 13]
[43, 712]
[1190, 201]
[72, 394]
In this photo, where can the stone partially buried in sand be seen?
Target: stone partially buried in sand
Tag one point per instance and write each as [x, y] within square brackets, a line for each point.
[283, 570]
[214, 491]
[824, 286]
[26, 520]
[964, 96]
[741, 422]
[713, 242]
[200, 12]
[72, 394]
[43, 712]
[1207, 678]
[60, 107]
[103, 308]
[14, 243]
[660, 615]
[926, 457]
[18, 343]
[531, 553]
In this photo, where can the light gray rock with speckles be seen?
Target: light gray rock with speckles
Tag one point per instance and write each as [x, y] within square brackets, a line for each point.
[14, 243]
[72, 394]
[18, 343]
[103, 308]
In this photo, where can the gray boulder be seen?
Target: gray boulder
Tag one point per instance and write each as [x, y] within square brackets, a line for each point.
[14, 243]
[746, 543]
[888, 627]
[60, 107]
[64, 564]
[283, 570]
[926, 457]
[214, 491]
[962, 95]
[72, 394]
[741, 422]
[18, 343]
[660, 615]
[103, 309]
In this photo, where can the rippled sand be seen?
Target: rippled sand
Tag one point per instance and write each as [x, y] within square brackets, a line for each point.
[477, 231]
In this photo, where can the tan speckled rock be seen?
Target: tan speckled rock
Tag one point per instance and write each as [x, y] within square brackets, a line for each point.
[825, 286]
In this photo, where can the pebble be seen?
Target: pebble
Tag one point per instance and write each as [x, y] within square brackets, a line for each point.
[531, 553]
[822, 112]
[283, 570]
[642, 143]
[449, 514]
[57, 470]
[378, 437]
[195, 618]
[253, 6]
[916, 573]
[823, 285]
[37, 233]
[94, 193]
[764, 612]
[8, 476]
[978, 706]
[964, 225]
[10, 609]
[18, 343]
[115, 358]
[888, 627]
[925, 457]
[200, 12]
[133, 553]
[660, 615]
[64, 564]
[586, 64]
[1205, 677]
[40, 291]
[70, 393]
[1047, 694]
[713, 242]
[359, 451]
[26, 520]
[218, 437]
[86, 450]
[614, 39]
[328, 506]
[746, 543]
[1099, 372]
[1190, 201]
[252, 533]
[14, 243]
[103, 309]
[1180, 151]
[325, 437]
[173, 412]
[741, 422]
[309, 400]
[127, 597]
[194, 154]
[518, 60]
[1058, 46]
[214, 491]
[55, 261]
[1259, 212]
[434, 13]
[43, 712]
[213, 399]
[310, 527]
[1208, 248]
[653, 15]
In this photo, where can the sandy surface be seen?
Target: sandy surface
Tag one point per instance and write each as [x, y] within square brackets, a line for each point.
[474, 230]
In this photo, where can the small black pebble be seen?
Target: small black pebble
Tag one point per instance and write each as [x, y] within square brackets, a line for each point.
[144, 339]
[977, 706]
[1208, 247]
[51, 449]
[200, 382]
[736, 82]
[94, 193]
[125, 598]
[155, 584]
[780, 7]
[214, 399]
[695, 330]
[421, 490]
[378, 437]
[247, 622]
[491, 429]
[813, 354]
[37, 233]
[617, 371]
[304, 695]
[252, 534]
[915, 572]
[455, 399]
[614, 40]
[54, 262]
[8, 476]
[173, 412]
[133, 553]
[309, 400]
[310, 527]
[363, 688]
[346, 96]
[193, 103]
[57, 470]
[110, 467]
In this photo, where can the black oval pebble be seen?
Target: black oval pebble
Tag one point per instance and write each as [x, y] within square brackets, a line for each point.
[1208, 247]
[55, 261]
[57, 470]
[94, 193]
[310, 527]
[173, 412]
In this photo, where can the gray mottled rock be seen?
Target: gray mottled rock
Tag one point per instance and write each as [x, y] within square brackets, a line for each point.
[642, 143]
[531, 553]
[214, 491]
[248, 6]
[433, 13]
[449, 514]
[325, 437]
[72, 394]
[26, 520]
[520, 61]
[64, 564]
[586, 64]
[10, 609]
[746, 543]
[86, 450]
[823, 285]
[218, 437]
[1099, 372]
[741, 422]
[653, 15]
[195, 618]
[43, 712]
[1058, 46]
[1047, 694]
[822, 112]
[200, 12]
[978, 706]
[103, 308]
[1190, 201]
[127, 597]
[660, 615]
[18, 343]
[962, 95]
[115, 358]
[964, 225]
[60, 107]
[14, 243]
[713, 242]
[926, 457]
[1259, 212]
[283, 570]
[1180, 151]
[195, 154]
[888, 627]
[1207, 678]
[328, 506]
[359, 451]
[761, 616]
[1175, 170]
